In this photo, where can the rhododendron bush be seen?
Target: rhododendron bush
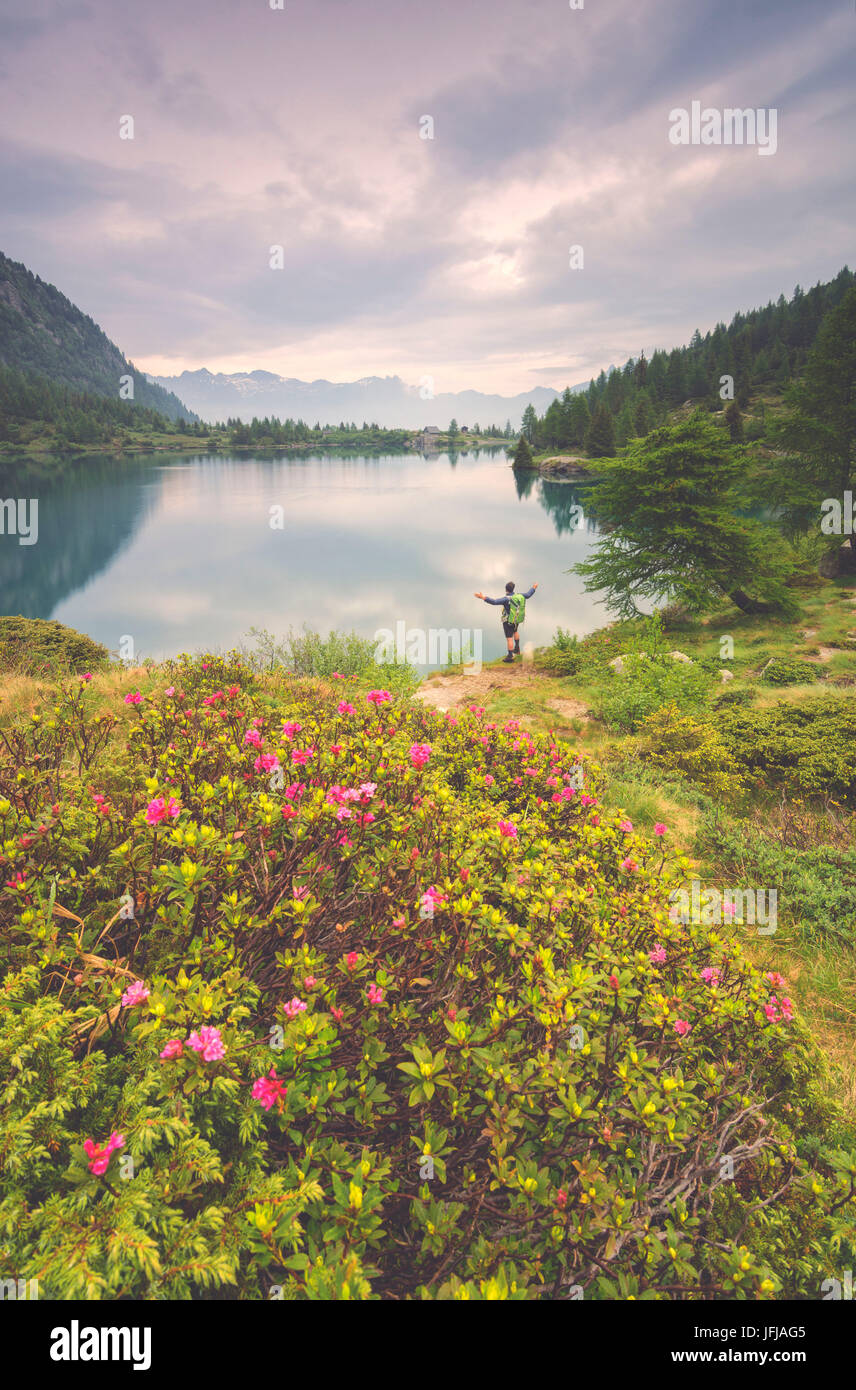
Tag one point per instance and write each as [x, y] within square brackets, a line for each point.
[331, 997]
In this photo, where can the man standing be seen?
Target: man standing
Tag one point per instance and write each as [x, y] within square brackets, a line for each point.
[513, 613]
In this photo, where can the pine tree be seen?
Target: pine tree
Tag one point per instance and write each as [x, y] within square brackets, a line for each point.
[600, 440]
[676, 531]
[522, 456]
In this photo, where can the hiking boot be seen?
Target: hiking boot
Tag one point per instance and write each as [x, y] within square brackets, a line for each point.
[508, 658]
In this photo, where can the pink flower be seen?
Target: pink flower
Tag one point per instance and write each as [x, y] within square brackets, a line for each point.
[134, 699]
[135, 994]
[338, 1014]
[170, 690]
[290, 728]
[253, 737]
[174, 1048]
[710, 975]
[659, 828]
[367, 790]
[375, 994]
[488, 780]
[301, 756]
[586, 800]
[351, 960]
[775, 979]
[266, 762]
[345, 707]
[208, 1042]
[658, 955]
[269, 1090]
[87, 676]
[629, 865]
[309, 982]
[160, 808]
[682, 1027]
[99, 1157]
[336, 748]
[508, 829]
[779, 1009]
[378, 697]
[294, 1007]
[626, 826]
[337, 676]
[419, 754]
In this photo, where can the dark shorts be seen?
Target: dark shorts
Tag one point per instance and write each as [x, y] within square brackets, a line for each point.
[510, 629]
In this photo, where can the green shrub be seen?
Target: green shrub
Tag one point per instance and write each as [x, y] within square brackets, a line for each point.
[785, 670]
[816, 886]
[649, 684]
[307, 653]
[805, 746]
[731, 696]
[564, 657]
[40, 646]
[680, 743]
[443, 1063]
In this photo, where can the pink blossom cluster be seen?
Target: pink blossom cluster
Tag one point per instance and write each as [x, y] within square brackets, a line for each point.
[379, 697]
[135, 994]
[290, 727]
[419, 754]
[269, 1090]
[779, 1010]
[160, 808]
[207, 1042]
[99, 1157]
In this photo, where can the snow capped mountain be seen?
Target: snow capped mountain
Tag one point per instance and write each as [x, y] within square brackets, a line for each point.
[387, 400]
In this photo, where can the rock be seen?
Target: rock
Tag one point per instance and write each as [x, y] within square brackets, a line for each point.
[835, 562]
[724, 675]
[681, 656]
[617, 664]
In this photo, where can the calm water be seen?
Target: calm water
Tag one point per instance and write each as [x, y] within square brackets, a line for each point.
[179, 552]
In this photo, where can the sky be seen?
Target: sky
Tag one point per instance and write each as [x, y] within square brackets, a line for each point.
[444, 257]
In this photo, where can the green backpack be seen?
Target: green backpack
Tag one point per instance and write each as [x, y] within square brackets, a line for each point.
[516, 609]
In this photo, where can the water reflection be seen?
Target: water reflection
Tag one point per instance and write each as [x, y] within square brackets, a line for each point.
[190, 552]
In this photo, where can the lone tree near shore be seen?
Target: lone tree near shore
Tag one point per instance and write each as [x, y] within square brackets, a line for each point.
[522, 456]
[675, 530]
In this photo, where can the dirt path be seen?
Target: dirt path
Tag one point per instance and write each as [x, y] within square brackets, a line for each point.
[444, 692]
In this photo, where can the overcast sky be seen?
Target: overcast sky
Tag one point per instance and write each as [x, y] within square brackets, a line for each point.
[447, 257]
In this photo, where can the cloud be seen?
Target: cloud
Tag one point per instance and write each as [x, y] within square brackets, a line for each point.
[407, 256]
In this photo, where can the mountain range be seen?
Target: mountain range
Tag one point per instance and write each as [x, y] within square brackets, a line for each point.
[385, 399]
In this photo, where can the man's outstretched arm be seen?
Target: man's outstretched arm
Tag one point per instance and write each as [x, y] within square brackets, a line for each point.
[530, 592]
[492, 600]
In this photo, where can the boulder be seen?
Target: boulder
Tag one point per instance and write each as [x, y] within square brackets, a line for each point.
[617, 664]
[681, 656]
[724, 675]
